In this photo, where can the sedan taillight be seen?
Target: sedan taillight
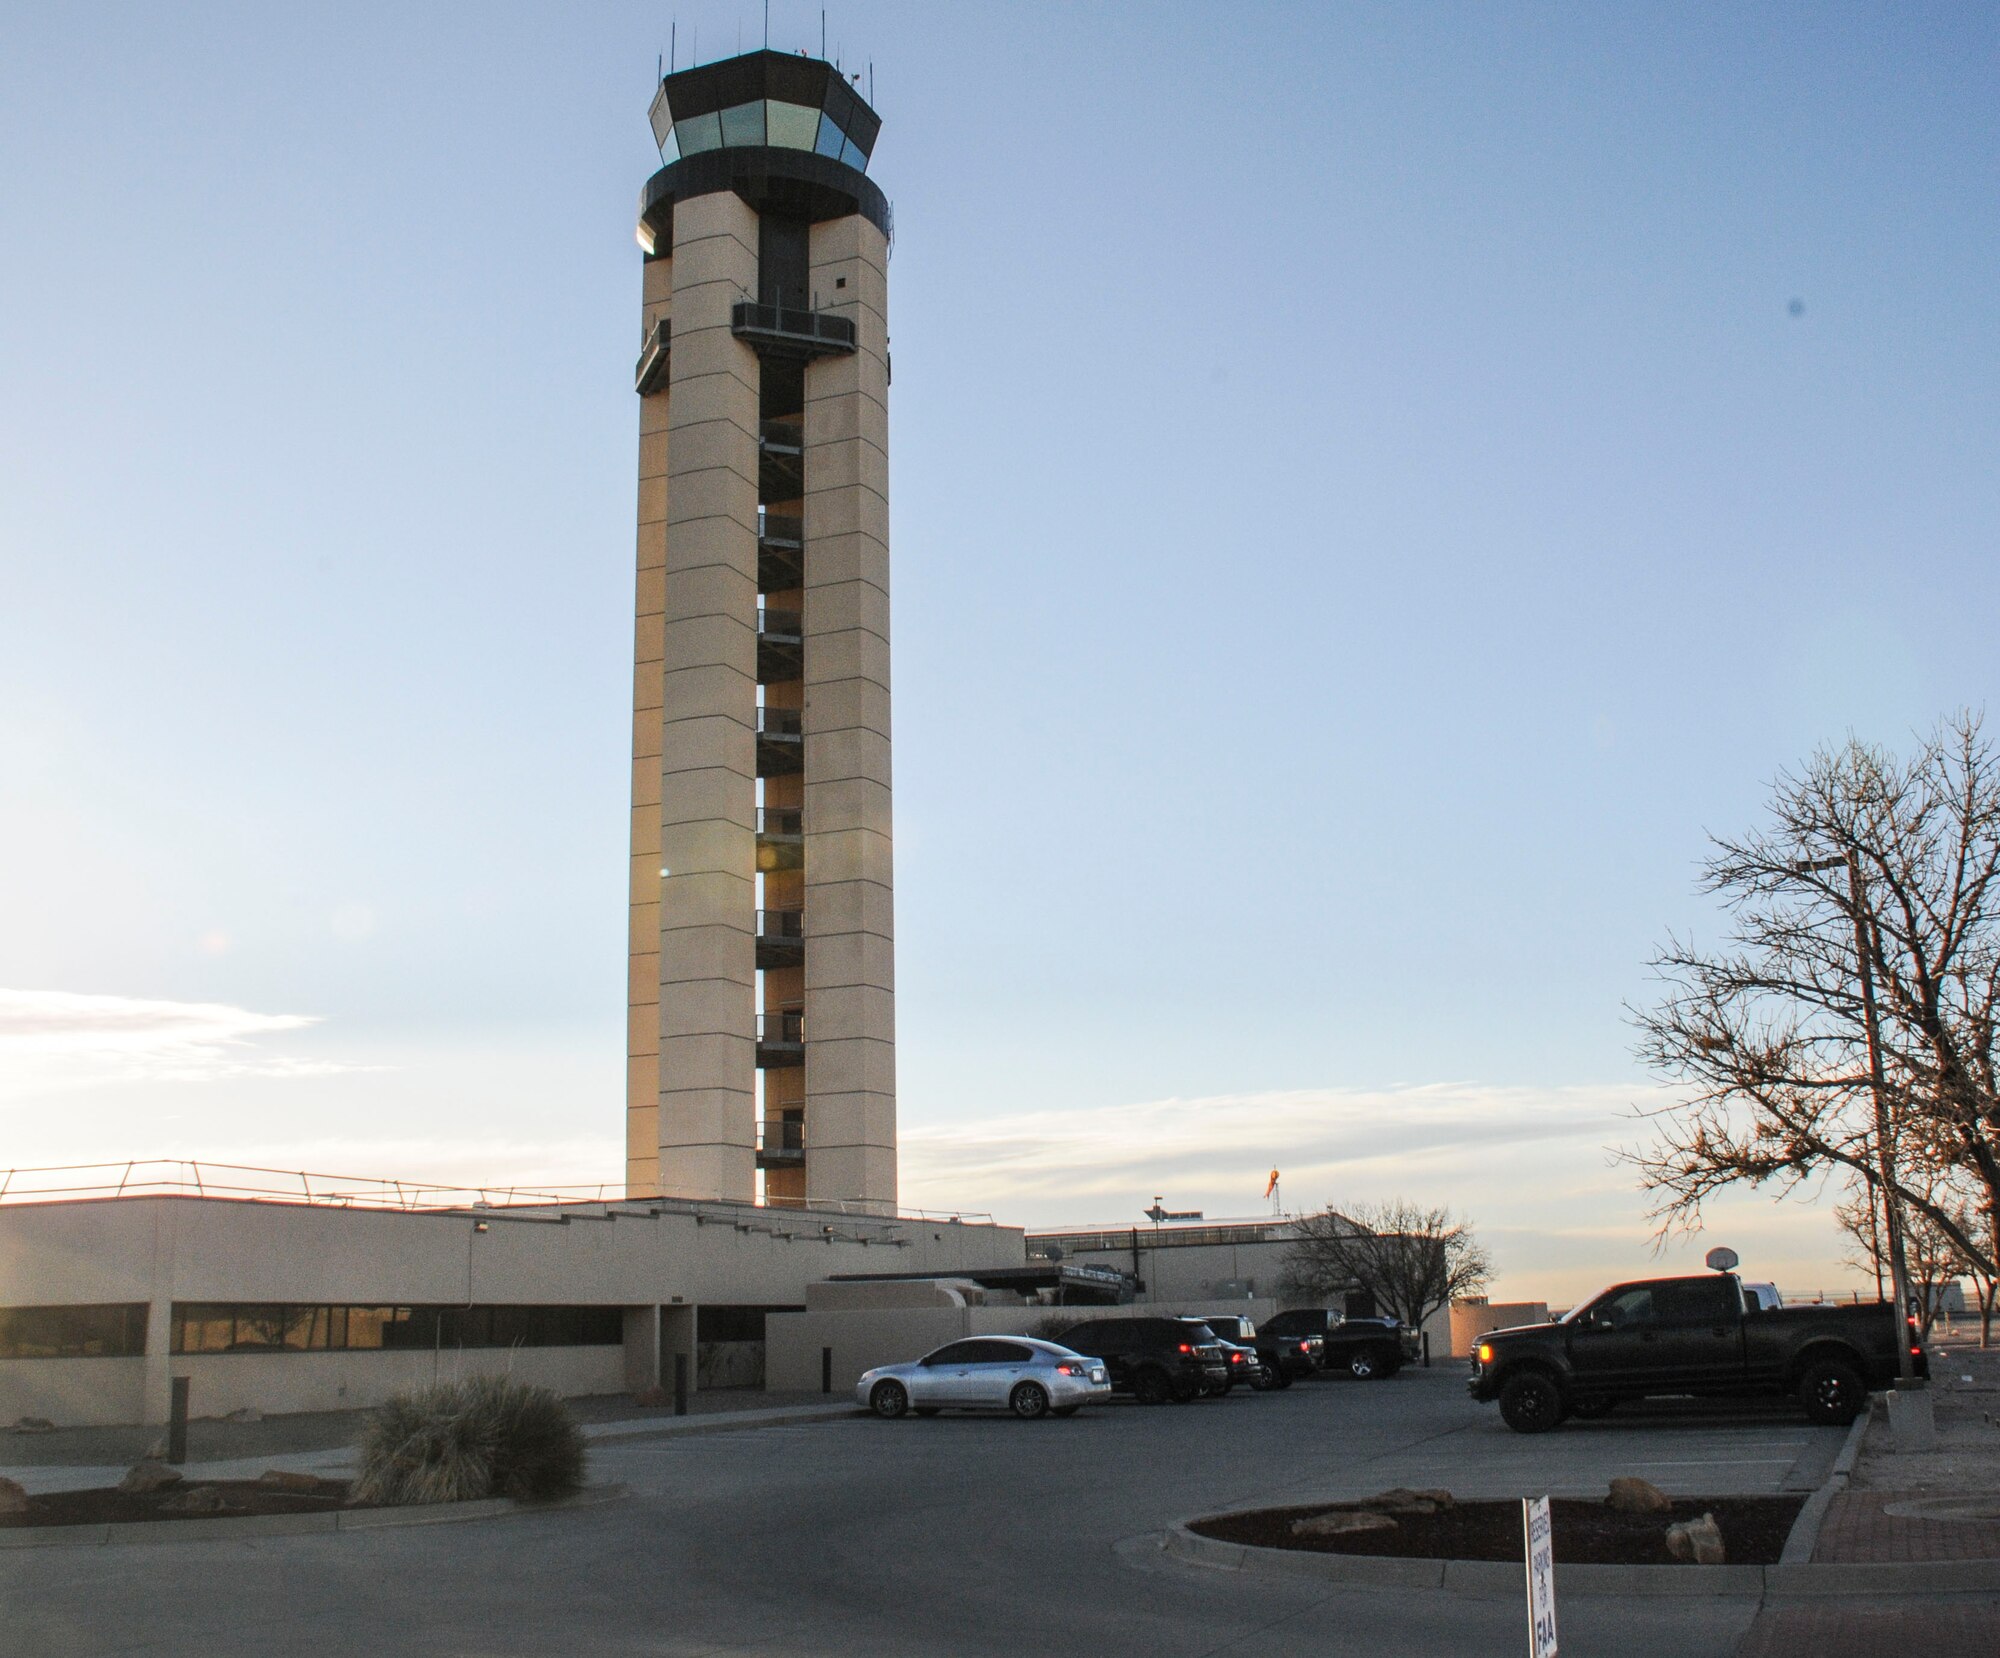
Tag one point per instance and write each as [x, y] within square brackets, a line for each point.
[1069, 1370]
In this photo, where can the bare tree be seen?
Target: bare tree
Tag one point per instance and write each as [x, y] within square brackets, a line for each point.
[1411, 1260]
[1866, 860]
[1932, 1259]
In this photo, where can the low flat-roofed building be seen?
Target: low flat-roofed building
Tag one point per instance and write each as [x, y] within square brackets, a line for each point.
[335, 1298]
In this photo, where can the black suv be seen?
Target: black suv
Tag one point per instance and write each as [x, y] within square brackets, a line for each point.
[1285, 1357]
[1153, 1359]
[1368, 1349]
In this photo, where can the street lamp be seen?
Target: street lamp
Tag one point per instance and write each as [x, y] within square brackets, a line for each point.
[1898, 1274]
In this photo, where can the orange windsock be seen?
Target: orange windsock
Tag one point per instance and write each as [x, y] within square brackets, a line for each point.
[1271, 1185]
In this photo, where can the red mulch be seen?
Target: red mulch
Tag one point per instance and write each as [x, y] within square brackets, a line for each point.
[1587, 1533]
[244, 1497]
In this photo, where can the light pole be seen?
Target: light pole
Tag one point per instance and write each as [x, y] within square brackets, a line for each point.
[1899, 1277]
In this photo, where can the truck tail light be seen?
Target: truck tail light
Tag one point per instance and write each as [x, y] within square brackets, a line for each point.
[1186, 1347]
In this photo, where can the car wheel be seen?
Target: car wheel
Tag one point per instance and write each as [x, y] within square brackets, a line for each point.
[889, 1400]
[1149, 1387]
[1181, 1390]
[928, 1410]
[1590, 1408]
[1029, 1401]
[1283, 1377]
[1264, 1378]
[1833, 1393]
[1531, 1403]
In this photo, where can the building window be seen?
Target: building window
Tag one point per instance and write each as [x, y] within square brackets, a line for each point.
[265, 1327]
[114, 1331]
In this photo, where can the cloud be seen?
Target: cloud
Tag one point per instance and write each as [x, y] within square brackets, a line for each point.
[55, 1041]
[1318, 1138]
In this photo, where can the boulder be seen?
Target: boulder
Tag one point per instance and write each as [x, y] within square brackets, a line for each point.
[279, 1479]
[148, 1476]
[1342, 1522]
[13, 1498]
[1635, 1496]
[1402, 1500]
[33, 1424]
[198, 1499]
[1697, 1540]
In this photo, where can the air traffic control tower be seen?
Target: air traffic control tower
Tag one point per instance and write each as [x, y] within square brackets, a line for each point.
[761, 1055]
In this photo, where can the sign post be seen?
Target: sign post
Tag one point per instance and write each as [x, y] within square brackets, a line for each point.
[1541, 1577]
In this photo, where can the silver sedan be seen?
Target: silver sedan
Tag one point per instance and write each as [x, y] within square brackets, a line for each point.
[1018, 1373]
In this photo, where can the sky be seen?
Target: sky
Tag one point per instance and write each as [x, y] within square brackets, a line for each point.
[1374, 488]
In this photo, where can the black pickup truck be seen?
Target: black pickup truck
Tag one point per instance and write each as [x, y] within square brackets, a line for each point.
[1369, 1349]
[1700, 1336]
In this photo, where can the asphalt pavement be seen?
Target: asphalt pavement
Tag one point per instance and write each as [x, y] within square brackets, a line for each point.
[956, 1535]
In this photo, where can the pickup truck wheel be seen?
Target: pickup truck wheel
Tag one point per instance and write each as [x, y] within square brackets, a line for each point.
[1591, 1406]
[1531, 1403]
[1833, 1393]
[1281, 1378]
[1150, 1387]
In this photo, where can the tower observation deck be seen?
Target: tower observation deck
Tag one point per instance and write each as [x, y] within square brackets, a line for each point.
[761, 1046]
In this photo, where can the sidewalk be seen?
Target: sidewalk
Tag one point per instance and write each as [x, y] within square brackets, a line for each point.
[80, 1459]
[1872, 1521]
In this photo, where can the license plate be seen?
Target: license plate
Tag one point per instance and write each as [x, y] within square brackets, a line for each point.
[1097, 1375]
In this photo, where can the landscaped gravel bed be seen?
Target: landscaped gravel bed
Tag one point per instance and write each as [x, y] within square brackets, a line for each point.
[1586, 1532]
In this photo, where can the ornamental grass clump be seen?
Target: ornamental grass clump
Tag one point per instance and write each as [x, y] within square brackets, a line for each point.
[489, 1436]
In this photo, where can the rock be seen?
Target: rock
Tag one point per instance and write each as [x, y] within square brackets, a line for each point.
[1402, 1500]
[198, 1499]
[1697, 1540]
[157, 1452]
[33, 1424]
[246, 1413]
[1342, 1522]
[149, 1476]
[13, 1498]
[1634, 1496]
[279, 1479]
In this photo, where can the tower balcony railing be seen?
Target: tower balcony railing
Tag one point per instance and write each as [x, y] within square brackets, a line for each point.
[781, 938]
[781, 839]
[780, 741]
[780, 646]
[655, 353]
[780, 1144]
[780, 552]
[781, 1040]
[785, 435]
[792, 331]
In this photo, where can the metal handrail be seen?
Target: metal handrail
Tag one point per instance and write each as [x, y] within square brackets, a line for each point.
[786, 1028]
[784, 822]
[779, 624]
[786, 926]
[779, 722]
[819, 327]
[784, 433]
[781, 526]
[788, 1136]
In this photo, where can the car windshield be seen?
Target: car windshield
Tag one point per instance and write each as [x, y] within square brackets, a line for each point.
[1582, 1307]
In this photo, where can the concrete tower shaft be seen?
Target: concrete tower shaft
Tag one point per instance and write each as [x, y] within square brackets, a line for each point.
[762, 1022]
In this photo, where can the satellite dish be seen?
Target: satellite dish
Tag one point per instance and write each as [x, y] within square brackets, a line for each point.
[1721, 1260]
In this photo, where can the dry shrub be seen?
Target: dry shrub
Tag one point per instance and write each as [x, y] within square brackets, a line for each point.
[452, 1442]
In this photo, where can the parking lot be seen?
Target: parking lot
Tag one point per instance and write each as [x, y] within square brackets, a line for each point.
[952, 1535]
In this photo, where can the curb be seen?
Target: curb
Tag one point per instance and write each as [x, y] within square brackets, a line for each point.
[1490, 1579]
[721, 1422]
[1803, 1538]
[223, 1529]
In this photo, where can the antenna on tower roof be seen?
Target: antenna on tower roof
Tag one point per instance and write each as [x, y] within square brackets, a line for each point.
[871, 80]
[673, 43]
[767, 25]
[822, 32]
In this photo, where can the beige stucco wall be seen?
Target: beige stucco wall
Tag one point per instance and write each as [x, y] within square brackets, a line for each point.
[1472, 1319]
[660, 1263]
[865, 1337]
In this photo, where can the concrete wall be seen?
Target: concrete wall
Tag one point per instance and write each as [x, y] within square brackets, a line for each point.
[1472, 1319]
[862, 1339]
[657, 1263]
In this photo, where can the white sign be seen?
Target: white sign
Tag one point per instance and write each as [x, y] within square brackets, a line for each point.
[1541, 1577]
